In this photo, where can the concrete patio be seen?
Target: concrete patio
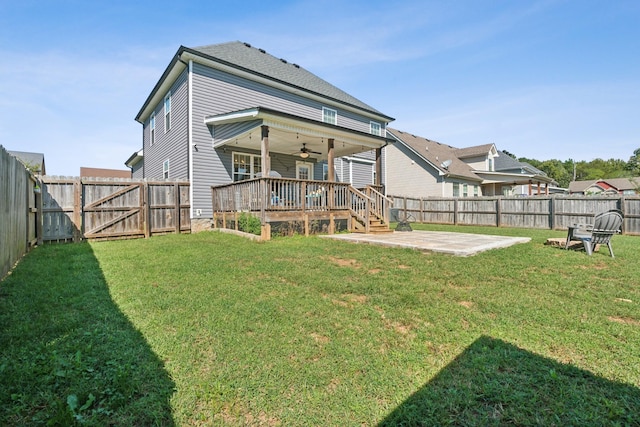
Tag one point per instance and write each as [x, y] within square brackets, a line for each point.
[460, 244]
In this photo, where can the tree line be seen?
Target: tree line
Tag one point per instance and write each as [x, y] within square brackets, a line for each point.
[563, 172]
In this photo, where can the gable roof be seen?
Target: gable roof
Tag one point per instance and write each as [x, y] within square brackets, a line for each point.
[505, 162]
[436, 154]
[620, 184]
[258, 64]
[478, 150]
[30, 159]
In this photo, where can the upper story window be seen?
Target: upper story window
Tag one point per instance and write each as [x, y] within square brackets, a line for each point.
[456, 189]
[152, 129]
[167, 112]
[465, 190]
[329, 116]
[165, 169]
[375, 128]
[490, 164]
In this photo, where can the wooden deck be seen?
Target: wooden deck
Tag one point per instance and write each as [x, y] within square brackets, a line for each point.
[274, 200]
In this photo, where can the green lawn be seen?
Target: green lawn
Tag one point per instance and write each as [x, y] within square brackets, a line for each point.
[214, 329]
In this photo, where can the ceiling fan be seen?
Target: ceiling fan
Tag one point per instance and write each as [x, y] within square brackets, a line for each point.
[305, 152]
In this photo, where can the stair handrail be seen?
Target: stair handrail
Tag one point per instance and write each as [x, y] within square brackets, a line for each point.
[358, 198]
[381, 204]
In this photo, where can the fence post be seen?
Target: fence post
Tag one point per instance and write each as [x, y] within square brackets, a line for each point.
[145, 209]
[499, 212]
[39, 216]
[78, 213]
[552, 213]
[177, 203]
[455, 211]
[622, 209]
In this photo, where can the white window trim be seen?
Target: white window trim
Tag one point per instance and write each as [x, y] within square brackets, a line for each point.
[335, 112]
[165, 169]
[167, 122]
[152, 129]
[252, 173]
[372, 125]
[300, 164]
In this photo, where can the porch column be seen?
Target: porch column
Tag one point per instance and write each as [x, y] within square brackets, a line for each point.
[378, 166]
[330, 158]
[529, 187]
[546, 189]
[539, 189]
[264, 151]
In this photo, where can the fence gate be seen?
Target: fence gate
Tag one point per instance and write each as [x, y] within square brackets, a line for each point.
[113, 209]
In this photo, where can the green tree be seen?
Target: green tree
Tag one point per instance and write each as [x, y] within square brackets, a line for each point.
[556, 169]
[633, 165]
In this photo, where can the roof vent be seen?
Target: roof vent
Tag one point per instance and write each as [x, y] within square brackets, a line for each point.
[262, 50]
[247, 45]
[283, 60]
[296, 65]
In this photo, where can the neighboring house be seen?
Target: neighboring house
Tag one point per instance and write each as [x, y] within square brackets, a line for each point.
[418, 167]
[32, 161]
[103, 173]
[624, 186]
[230, 112]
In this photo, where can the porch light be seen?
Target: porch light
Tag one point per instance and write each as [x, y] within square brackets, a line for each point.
[304, 154]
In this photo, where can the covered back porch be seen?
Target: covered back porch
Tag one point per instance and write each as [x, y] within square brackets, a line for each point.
[261, 191]
[278, 200]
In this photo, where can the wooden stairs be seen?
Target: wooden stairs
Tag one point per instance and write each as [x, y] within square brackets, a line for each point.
[369, 212]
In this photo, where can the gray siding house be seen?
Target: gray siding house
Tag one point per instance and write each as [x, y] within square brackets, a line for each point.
[228, 113]
[418, 167]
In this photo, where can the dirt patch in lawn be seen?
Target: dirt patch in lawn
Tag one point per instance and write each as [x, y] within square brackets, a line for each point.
[624, 320]
[344, 262]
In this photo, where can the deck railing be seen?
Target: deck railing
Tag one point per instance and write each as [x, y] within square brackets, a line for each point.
[280, 194]
[264, 195]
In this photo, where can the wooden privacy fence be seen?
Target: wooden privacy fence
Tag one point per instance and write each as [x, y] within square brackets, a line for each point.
[74, 208]
[19, 200]
[554, 212]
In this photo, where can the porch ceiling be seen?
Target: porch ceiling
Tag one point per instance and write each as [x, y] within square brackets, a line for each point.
[288, 133]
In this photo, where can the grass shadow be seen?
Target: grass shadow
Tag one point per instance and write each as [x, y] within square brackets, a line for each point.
[68, 355]
[495, 383]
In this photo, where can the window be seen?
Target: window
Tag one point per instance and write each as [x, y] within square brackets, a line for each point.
[329, 116]
[375, 128]
[152, 129]
[246, 166]
[167, 112]
[475, 191]
[456, 189]
[165, 169]
[490, 164]
[304, 170]
[325, 172]
[465, 190]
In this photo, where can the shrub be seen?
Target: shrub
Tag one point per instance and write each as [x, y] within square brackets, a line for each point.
[249, 224]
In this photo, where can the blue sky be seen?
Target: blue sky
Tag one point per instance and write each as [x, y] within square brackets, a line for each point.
[541, 79]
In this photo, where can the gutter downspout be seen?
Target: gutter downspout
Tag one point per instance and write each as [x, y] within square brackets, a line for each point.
[190, 134]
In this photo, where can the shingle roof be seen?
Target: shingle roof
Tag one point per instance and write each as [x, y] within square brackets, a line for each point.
[29, 159]
[258, 61]
[478, 150]
[436, 153]
[505, 162]
[620, 184]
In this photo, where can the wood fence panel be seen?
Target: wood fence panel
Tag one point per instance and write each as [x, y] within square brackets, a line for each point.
[112, 209]
[543, 212]
[17, 205]
[476, 211]
[58, 207]
[525, 212]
